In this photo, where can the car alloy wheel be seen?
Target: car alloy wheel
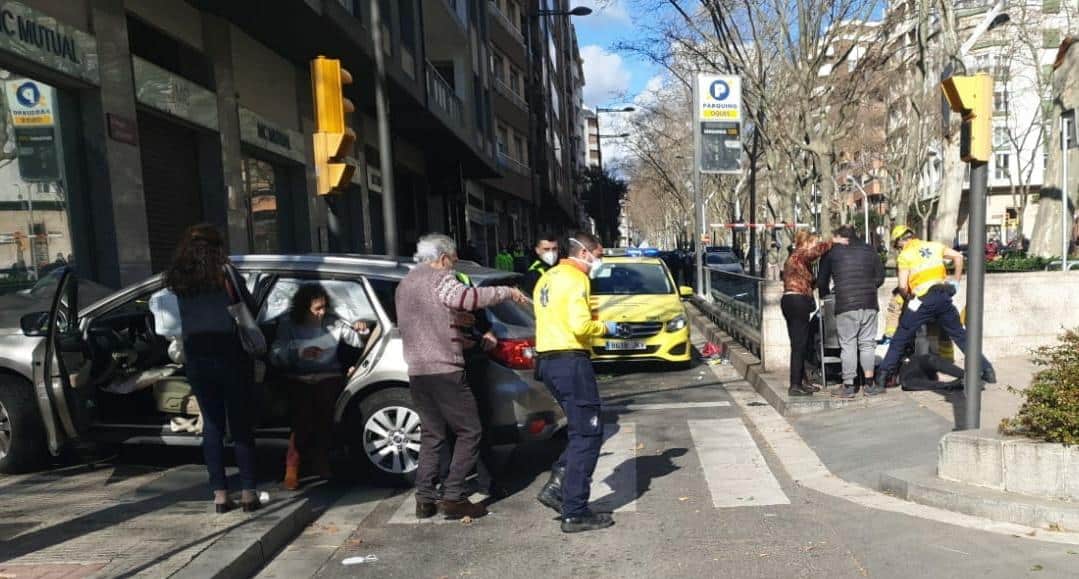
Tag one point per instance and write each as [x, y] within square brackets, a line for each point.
[5, 432]
[391, 439]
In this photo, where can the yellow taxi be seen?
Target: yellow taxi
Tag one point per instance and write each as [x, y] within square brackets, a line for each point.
[640, 294]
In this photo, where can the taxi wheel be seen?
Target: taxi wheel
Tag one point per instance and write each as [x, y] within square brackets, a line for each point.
[22, 436]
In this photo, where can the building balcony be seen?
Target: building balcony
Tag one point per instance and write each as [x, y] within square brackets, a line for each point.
[503, 89]
[442, 99]
[510, 164]
[504, 22]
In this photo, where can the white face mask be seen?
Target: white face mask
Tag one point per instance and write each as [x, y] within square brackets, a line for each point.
[549, 257]
[593, 264]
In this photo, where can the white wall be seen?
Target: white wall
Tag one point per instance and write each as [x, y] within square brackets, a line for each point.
[1022, 311]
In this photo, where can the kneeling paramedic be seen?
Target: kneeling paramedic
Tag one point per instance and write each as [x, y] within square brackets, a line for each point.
[923, 280]
[564, 332]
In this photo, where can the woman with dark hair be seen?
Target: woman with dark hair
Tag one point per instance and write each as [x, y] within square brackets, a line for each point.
[306, 348]
[218, 368]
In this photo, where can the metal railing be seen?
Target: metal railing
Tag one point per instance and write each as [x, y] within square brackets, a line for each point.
[505, 22]
[504, 90]
[512, 164]
[736, 305]
[442, 98]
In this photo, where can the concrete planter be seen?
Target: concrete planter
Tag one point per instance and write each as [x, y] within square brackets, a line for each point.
[989, 459]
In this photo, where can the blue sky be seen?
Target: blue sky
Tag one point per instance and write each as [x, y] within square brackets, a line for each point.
[611, 78]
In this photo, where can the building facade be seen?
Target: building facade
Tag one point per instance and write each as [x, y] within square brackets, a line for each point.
[126, 121]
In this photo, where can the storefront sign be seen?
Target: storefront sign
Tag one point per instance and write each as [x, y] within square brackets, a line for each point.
[123, 130]
[30, 103]
[257, 131]
[34, 36]
[158, 88]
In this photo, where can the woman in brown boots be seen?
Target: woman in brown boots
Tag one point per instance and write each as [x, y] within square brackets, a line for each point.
[306, 348]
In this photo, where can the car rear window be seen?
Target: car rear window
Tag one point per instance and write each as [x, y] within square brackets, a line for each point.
[721, 259]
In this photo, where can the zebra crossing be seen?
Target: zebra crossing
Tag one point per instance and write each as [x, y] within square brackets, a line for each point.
[731, 468]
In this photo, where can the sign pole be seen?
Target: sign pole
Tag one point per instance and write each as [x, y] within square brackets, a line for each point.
[1064, 135]
[972, 379]
[698, 223]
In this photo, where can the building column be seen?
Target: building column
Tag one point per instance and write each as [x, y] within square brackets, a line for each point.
[217, 40]
[126, 239]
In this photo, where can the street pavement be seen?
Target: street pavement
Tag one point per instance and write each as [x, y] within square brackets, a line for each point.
[697, 492]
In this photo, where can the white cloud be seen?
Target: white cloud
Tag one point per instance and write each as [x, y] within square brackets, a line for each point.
[604, 13]
[606, 76]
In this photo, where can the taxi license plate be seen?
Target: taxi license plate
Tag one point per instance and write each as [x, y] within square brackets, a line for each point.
[625, 346]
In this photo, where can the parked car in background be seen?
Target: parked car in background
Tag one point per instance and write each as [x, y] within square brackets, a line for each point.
[97, 371]
[641, 295]
[724, 261]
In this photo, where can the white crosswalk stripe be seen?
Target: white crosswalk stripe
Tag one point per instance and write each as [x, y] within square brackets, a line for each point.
[614, 484]
[734, 467]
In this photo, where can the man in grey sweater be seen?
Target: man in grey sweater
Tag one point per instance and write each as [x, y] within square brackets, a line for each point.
[432, 313]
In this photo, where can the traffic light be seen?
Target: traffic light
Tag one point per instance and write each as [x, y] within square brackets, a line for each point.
[333, 138]
[972, 97]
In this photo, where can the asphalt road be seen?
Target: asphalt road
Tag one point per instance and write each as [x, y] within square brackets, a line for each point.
[696, 492]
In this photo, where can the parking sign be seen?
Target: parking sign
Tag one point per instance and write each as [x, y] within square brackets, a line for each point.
[718, 126]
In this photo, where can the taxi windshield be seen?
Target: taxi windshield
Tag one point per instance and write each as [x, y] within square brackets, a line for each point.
[630, 279]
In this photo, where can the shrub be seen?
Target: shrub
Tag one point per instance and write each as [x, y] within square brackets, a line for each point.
[1050, 410]
[1015, 263]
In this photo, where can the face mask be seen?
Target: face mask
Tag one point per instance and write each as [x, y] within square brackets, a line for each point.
[593, 264]
[549, 257]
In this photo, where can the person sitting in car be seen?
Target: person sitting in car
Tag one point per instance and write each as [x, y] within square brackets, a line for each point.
[306, 348]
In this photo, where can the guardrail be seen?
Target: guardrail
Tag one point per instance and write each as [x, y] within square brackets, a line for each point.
[735, 305]
[440, 93]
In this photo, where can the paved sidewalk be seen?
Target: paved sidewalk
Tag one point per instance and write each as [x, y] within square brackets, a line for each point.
[115, 520]
[997, 401]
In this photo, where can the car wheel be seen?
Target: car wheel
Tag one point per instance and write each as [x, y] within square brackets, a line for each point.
[386, 440]
[22, 436]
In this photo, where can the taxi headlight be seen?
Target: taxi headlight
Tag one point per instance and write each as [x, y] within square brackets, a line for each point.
[678, 323]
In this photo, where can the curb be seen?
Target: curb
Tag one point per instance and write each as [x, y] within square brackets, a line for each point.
[248, 547]
[921, 485]
[769, 385]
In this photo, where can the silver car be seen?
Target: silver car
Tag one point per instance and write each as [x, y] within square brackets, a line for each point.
[96, 370]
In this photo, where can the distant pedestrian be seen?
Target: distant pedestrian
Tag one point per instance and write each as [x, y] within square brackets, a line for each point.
[218, 368]
[564, 331]
[797, 305]
[546, 251]
[923, 280]
[858, 272]
[504, 259]
[306, 348]
[431, 303]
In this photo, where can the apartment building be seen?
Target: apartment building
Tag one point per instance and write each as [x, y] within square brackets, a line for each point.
[149, 116]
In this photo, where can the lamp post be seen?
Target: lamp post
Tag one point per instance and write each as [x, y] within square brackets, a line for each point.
[602, 175]
[530, 85]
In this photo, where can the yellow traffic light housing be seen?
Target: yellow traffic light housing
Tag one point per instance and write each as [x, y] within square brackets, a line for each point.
[333, 139]
[972, 97]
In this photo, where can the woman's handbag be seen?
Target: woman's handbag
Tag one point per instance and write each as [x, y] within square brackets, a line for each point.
[251, 337]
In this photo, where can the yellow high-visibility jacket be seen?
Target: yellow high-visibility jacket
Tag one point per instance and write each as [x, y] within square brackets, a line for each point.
[563, 311]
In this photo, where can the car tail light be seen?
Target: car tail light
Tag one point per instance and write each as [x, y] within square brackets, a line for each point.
[516, 354]
[536, 426]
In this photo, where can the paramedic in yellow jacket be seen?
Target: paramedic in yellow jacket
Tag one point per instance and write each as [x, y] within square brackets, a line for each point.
[564, 332]
[923, 280]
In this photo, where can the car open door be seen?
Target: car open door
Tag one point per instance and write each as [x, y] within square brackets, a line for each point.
[60, 404]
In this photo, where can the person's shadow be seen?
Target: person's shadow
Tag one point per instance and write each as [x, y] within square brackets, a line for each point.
[628, 488]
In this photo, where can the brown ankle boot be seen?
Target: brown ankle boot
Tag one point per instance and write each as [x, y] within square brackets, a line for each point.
[292, 477]
[461, 509]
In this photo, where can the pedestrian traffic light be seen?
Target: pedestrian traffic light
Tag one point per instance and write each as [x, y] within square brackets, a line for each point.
[333, 139]
[972, 97]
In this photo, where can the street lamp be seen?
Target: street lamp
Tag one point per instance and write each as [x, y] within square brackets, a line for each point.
[602, 175]
[530, 85]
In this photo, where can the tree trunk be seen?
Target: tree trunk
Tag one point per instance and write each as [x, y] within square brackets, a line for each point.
[1045, 241]
[946, 228]
[827, 195]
